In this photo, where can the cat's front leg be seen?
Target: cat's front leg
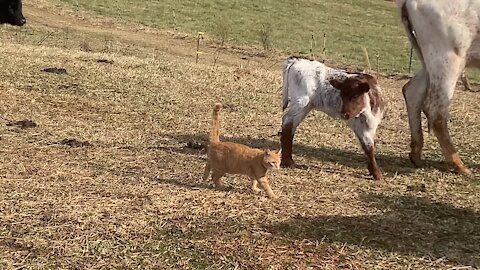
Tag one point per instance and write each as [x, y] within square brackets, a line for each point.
[266, 186]
[217, 181]
[255, 186]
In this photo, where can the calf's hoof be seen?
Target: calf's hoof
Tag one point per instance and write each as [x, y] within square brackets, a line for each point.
[417, 160]
[378, 176]
[287, 163]
[221, 187]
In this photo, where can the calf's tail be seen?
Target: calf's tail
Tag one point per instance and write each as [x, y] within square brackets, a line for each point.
[286, 68]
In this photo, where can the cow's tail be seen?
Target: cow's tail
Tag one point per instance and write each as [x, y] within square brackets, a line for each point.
[404, 6]
[286, 68]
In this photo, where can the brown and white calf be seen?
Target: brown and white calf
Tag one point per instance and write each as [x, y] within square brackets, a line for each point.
[446, 36]
[355, 97]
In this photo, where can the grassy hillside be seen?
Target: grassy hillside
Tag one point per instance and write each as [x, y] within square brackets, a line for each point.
[348, 25]
[110, 176]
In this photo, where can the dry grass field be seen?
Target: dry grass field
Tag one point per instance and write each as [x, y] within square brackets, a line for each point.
[110, 175]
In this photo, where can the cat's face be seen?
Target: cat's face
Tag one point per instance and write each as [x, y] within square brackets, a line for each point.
[272, 159]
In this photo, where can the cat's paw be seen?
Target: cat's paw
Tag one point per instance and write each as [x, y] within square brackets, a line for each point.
[274, 197]
[256, 190]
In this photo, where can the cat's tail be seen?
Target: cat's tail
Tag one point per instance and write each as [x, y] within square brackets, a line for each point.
[215, 133]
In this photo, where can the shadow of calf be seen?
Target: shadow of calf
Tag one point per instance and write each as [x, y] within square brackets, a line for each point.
[408, 225]
[392, 164]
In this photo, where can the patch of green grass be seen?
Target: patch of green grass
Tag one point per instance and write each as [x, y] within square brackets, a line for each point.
[348, 25]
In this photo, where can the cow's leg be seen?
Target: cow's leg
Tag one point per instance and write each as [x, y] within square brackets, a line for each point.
[365, 130]
[414, 93]
[437, 103]
[290, 122]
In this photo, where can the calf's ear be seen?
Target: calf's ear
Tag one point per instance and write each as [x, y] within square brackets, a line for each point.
[336, 83]
[363, 87]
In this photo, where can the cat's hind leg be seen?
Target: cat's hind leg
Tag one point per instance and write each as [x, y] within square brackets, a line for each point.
[206, 173]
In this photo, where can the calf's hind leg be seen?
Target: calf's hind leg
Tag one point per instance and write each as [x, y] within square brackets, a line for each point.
[290, 122]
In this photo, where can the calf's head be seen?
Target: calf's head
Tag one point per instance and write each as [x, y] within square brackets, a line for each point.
[354, 94]
[11, 12]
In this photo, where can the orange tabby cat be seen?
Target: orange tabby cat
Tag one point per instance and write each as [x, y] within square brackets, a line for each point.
[234, 158]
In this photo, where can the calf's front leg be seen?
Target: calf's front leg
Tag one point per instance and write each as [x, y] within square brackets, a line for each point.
[372, 162]
[366, 135]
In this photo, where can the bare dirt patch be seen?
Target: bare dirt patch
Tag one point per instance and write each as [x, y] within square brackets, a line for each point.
[74, 143]
[23, 124]
[55, 70]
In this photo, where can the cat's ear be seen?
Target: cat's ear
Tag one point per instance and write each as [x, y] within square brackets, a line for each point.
[267, 152]
[279, 152]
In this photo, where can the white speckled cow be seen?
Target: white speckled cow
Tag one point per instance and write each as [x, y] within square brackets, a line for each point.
[445, 34]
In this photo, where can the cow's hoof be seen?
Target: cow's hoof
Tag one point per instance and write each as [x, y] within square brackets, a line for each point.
[463, 170]
[416, 160]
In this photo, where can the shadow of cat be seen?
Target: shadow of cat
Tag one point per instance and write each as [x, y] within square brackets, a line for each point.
[208, 185]
[185, 184]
